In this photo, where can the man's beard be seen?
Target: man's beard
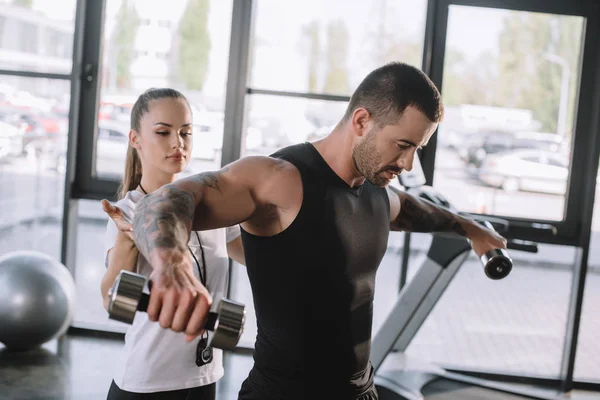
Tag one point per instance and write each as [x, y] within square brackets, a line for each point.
[368, 161]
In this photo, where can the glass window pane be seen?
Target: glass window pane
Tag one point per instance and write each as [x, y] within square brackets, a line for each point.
[329, 46]
[587, 361]
[37, 35]
[509, 88]
[512, 326]
[32, 173]
[91, 230]
[273, 122]
[151, 43]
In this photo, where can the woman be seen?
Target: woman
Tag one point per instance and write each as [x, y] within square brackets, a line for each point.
[159, 363]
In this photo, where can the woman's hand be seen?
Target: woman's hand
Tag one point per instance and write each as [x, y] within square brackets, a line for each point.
[115, 213]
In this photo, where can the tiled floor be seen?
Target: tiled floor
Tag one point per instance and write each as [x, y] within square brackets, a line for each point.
[80, 368]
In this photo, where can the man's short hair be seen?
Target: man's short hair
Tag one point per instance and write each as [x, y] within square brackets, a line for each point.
[388, 90]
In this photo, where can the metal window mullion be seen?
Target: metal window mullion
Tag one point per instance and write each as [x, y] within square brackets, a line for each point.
[312, 96]
[69, 221]
[239, 51]
[587, 149]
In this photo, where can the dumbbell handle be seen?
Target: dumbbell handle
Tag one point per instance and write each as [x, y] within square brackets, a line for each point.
[211, 318]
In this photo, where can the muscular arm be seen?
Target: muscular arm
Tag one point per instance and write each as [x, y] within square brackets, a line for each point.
[413, 214]
[164, 219]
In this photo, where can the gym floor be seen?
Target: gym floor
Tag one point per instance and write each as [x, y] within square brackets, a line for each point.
[79, 367]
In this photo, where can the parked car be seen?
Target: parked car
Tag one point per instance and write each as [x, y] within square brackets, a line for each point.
[483, 144]
[11, 140]
[526, 170]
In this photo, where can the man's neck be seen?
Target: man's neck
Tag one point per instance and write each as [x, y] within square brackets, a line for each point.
[336, 149]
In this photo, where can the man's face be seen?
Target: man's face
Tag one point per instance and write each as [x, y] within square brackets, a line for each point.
[382, 154]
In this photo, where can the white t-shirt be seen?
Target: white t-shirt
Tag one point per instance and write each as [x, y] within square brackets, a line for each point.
[158, 359]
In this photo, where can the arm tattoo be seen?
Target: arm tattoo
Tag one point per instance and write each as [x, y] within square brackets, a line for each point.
[163, 220]
[209, 178]
[418, 215]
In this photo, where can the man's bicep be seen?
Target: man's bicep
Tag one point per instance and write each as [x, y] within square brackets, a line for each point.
[226, 197]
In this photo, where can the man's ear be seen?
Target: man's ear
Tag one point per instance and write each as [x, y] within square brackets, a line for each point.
[361, 121]
[134, 139]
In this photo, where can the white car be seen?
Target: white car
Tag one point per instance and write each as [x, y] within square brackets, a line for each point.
[526, 170]
[11, 140]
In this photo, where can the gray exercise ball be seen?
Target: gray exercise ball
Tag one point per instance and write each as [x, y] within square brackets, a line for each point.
[37, 296]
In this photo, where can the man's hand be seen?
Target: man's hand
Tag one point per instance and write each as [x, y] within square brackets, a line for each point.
[483, 239]
[177, 299]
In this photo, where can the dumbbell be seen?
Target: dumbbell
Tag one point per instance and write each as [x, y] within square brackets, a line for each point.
[497, 264]
[126, 297]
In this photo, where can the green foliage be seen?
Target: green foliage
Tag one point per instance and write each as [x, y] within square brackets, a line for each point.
[123, 40]
[195, 44]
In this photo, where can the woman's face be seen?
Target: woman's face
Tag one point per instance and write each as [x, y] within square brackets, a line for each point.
[164, 141]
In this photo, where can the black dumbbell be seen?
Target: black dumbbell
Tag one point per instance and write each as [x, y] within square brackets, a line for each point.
[497, 264]
[126, 297]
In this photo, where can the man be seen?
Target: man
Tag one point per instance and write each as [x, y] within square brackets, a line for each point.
[315, 221]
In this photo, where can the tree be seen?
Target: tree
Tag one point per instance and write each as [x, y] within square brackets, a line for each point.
[311, 32]
[336, 78]
[467, 82]
[23, 3]
[194, 42]
[123, 40]
[384, 39]
[528, 77]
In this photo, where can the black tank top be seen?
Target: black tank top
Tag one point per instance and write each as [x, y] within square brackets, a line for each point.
[313, 283]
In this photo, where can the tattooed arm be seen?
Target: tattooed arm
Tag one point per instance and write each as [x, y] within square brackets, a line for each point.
[413, 214]
[163, 222]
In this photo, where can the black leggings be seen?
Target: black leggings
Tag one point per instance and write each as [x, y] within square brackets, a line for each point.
[207, 392]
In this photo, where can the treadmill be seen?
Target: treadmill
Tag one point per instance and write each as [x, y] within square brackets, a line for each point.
[400, 377]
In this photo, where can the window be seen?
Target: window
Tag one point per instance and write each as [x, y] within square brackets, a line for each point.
[273, 122]
[328, 46]
[514, 326]
[587, 361]
[31, 164]
[199, 40]
[509, 85]
[23, 33]
[198, 68]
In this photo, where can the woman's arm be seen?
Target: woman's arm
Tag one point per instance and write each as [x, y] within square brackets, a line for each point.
[123, 256]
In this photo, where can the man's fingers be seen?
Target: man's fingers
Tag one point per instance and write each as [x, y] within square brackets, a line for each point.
[155, 304]
[183, 311]
[170, 303]
[199, 314]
